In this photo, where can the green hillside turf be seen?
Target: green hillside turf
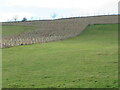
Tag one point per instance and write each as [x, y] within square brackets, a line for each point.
[89, 60]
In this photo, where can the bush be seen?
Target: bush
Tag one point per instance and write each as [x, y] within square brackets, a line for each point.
[24, 19]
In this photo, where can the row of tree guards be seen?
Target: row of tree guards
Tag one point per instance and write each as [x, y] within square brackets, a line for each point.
[26, 41]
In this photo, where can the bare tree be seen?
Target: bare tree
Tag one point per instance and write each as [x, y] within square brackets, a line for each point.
[39, 18]
[54, 16]
[15, 17]
[31, 17]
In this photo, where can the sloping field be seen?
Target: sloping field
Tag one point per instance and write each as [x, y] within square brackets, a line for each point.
[86, 61]
[53, 30]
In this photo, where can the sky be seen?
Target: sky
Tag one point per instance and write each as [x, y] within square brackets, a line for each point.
[45, 9]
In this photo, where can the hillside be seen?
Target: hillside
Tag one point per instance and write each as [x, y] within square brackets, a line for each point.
[89, 60]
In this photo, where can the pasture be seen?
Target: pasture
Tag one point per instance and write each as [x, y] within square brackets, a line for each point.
[89, 60]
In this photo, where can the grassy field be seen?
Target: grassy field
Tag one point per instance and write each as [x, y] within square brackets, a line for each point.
[89, 60]
[13, 30]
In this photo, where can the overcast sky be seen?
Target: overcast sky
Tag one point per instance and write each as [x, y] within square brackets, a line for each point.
[44, 9]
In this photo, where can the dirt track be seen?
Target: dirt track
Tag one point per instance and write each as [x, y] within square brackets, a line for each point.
[52, 30]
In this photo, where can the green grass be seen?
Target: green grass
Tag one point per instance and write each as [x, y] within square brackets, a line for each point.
[13, 30]
[87, 61]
